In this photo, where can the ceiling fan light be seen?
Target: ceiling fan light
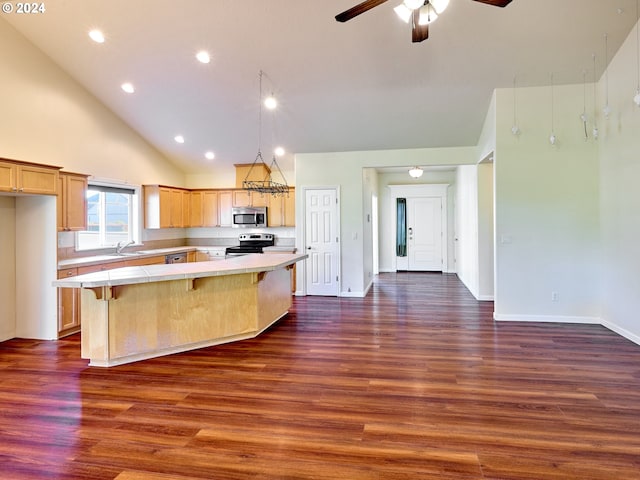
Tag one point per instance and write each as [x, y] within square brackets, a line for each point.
[416, 172]
[403, 12]
[427, 15]
[413, 4]
[439, 5]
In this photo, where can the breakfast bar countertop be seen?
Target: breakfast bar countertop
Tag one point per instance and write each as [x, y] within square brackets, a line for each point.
[158, 273]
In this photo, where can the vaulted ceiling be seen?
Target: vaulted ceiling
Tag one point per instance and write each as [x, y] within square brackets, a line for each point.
[360, 85]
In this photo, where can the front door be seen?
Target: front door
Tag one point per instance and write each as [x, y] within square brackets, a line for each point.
[424, 233]
[321, 237]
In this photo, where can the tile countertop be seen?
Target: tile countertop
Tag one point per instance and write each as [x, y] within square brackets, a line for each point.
[97, 259]
[181, 271]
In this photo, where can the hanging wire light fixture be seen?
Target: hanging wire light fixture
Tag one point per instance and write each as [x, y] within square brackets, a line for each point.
[267, 185]
[515, 129]
[607, 109]
[636, 98]
[595, 131]
[583, 115]
[552, 138]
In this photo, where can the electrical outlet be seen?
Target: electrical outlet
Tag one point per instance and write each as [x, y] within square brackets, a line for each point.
[554, 296]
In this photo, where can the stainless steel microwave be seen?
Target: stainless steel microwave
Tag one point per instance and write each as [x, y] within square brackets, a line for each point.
[249, 216]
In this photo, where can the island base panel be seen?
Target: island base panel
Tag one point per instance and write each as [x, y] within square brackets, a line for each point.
[151, 319]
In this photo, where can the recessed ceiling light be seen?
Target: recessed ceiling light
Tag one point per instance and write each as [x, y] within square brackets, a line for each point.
[179, 138]
[128, 87]
[270, 102]
[279, 151]
[96, 36]
[210, 155]
[203, 57]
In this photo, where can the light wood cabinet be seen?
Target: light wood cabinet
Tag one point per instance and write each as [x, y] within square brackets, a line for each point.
[210, 209]
[225, 204]
[68, 305]
[203, 208]
[166, 207]
[282, 210]
[249, 171]
[28, 178]
[139, 262]
[72, 201]
[245, 198]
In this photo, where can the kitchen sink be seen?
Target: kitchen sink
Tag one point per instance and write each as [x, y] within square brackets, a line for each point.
[128, 254]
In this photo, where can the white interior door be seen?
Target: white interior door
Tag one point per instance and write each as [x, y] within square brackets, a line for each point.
[321, 237]
[424, 233]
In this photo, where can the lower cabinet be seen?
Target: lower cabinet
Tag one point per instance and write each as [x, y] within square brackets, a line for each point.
[68, 305]
[69, 320]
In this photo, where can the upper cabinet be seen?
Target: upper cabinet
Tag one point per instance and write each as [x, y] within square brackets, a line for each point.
[166, 207]
[244, 198]
[72, 201]
[28, 178]
[282, 210]
[251, 172]
[203, 208]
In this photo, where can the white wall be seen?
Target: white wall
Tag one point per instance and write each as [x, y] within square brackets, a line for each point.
[485, 231]
[467, 227]
[620, 195]
[36, 267]
[547, 210]
[47, 117]
[8, 268]
[344, 169]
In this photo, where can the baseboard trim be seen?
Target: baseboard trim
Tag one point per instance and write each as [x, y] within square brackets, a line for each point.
[621, 331]
[547, 319]
[353, 294]
[485, 298]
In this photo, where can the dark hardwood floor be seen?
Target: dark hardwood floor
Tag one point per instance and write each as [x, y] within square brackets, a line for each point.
[415, 381]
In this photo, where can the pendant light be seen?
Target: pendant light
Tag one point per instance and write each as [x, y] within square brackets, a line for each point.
[636, 98]
[515, 129]
[607, 109]
[583, 115]
[552, 138]
[595, 131]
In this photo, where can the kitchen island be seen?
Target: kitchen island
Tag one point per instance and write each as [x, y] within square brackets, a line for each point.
[135, 313]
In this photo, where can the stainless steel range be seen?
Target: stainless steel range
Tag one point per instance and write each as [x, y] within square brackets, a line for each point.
[251, 243]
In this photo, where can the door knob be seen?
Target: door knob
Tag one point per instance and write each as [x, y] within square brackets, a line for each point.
[308, 248]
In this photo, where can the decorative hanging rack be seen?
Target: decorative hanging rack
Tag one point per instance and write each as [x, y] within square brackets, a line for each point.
[266, 185]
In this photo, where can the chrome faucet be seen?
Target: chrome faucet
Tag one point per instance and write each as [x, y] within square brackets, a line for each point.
[120, 247]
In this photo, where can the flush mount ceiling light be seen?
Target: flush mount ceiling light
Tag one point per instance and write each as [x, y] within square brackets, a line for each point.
[97, 36]
[179, 138]
[209, 155]
[419, 12]
[416, 172]
[267, 185]
[279, 151]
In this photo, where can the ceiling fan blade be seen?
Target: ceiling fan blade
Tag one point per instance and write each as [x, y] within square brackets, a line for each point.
[419, 32]
[358, 9]
[495, 3]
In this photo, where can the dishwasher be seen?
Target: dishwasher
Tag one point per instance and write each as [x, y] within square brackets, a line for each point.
[176, 258]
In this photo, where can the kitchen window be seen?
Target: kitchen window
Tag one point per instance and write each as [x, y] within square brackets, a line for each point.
[113, 213]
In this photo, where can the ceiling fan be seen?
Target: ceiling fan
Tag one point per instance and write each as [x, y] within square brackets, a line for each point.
[420, 12]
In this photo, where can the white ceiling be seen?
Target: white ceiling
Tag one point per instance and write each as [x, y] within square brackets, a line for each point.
[360, 85]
